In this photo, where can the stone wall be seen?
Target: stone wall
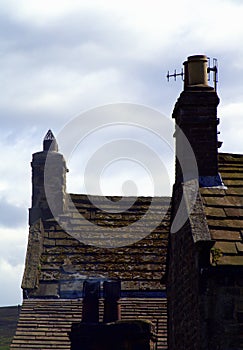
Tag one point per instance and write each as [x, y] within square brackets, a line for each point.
[205, 302]
[182, 287]
[222, 310]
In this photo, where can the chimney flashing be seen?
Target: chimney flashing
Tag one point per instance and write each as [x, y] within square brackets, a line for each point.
[211, 181]
[198, 87]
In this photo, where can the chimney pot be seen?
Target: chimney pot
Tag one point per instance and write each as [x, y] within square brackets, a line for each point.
[196, 70]
[50, 142]
[91, 291]
[112, 291]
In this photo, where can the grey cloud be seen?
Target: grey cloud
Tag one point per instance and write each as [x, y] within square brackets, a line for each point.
[85, 43]
[11, 215]
[74, 46]
[62, 36]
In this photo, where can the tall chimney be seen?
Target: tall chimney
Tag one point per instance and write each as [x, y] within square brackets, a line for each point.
[48, 175]
[195, 115]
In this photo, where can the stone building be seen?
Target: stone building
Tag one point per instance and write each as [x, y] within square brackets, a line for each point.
[205, 261]
[80, 296]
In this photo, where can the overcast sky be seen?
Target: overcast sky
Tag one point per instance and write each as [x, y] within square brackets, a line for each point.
[59, 58]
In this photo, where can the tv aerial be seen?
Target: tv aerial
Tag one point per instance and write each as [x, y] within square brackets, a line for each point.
[210, 69]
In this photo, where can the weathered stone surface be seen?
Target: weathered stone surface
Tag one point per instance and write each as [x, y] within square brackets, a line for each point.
[215, 212]
[48, 290]
[230, 224]
[33, 256]
[226, 247]
[239, 246]
[208, 192]
[231, 260]
[226, 201]
[140, 265]
[225, 212]
[225, 235]
[234, 212]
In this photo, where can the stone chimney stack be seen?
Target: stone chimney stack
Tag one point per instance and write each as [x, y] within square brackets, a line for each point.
[48, 181]
[195, 115]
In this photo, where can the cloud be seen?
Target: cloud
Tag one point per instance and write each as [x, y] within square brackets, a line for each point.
[232, 115]
[13, 244]
[124, 152]
[85, 55]
[11, 277]
[15, 173]
[11, 215]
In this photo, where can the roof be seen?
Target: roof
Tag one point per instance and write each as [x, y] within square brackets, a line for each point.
[44, 324]
[224, 212]
[57, 262]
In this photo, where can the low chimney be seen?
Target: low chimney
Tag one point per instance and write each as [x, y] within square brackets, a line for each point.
[112, 292]
[112, 334]
[91, 290]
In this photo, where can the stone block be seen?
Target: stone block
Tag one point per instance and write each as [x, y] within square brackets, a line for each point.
[48, 290]
[226, 247]
[239, 246]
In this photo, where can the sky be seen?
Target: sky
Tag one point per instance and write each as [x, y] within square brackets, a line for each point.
[61, 58]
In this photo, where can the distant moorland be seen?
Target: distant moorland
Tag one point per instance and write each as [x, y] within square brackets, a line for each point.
[8, 323]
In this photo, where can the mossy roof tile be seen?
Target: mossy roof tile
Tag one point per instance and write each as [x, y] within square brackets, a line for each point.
[140, 262]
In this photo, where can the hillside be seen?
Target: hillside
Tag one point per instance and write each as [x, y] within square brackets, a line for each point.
[8, 323]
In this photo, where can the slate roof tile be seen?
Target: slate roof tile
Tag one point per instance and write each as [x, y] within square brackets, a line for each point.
[226, 247]
[224, 211]
[224, 235]
[239, 246]
[63, 262]
[142, 261]
[235, 260]
[44, 324]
